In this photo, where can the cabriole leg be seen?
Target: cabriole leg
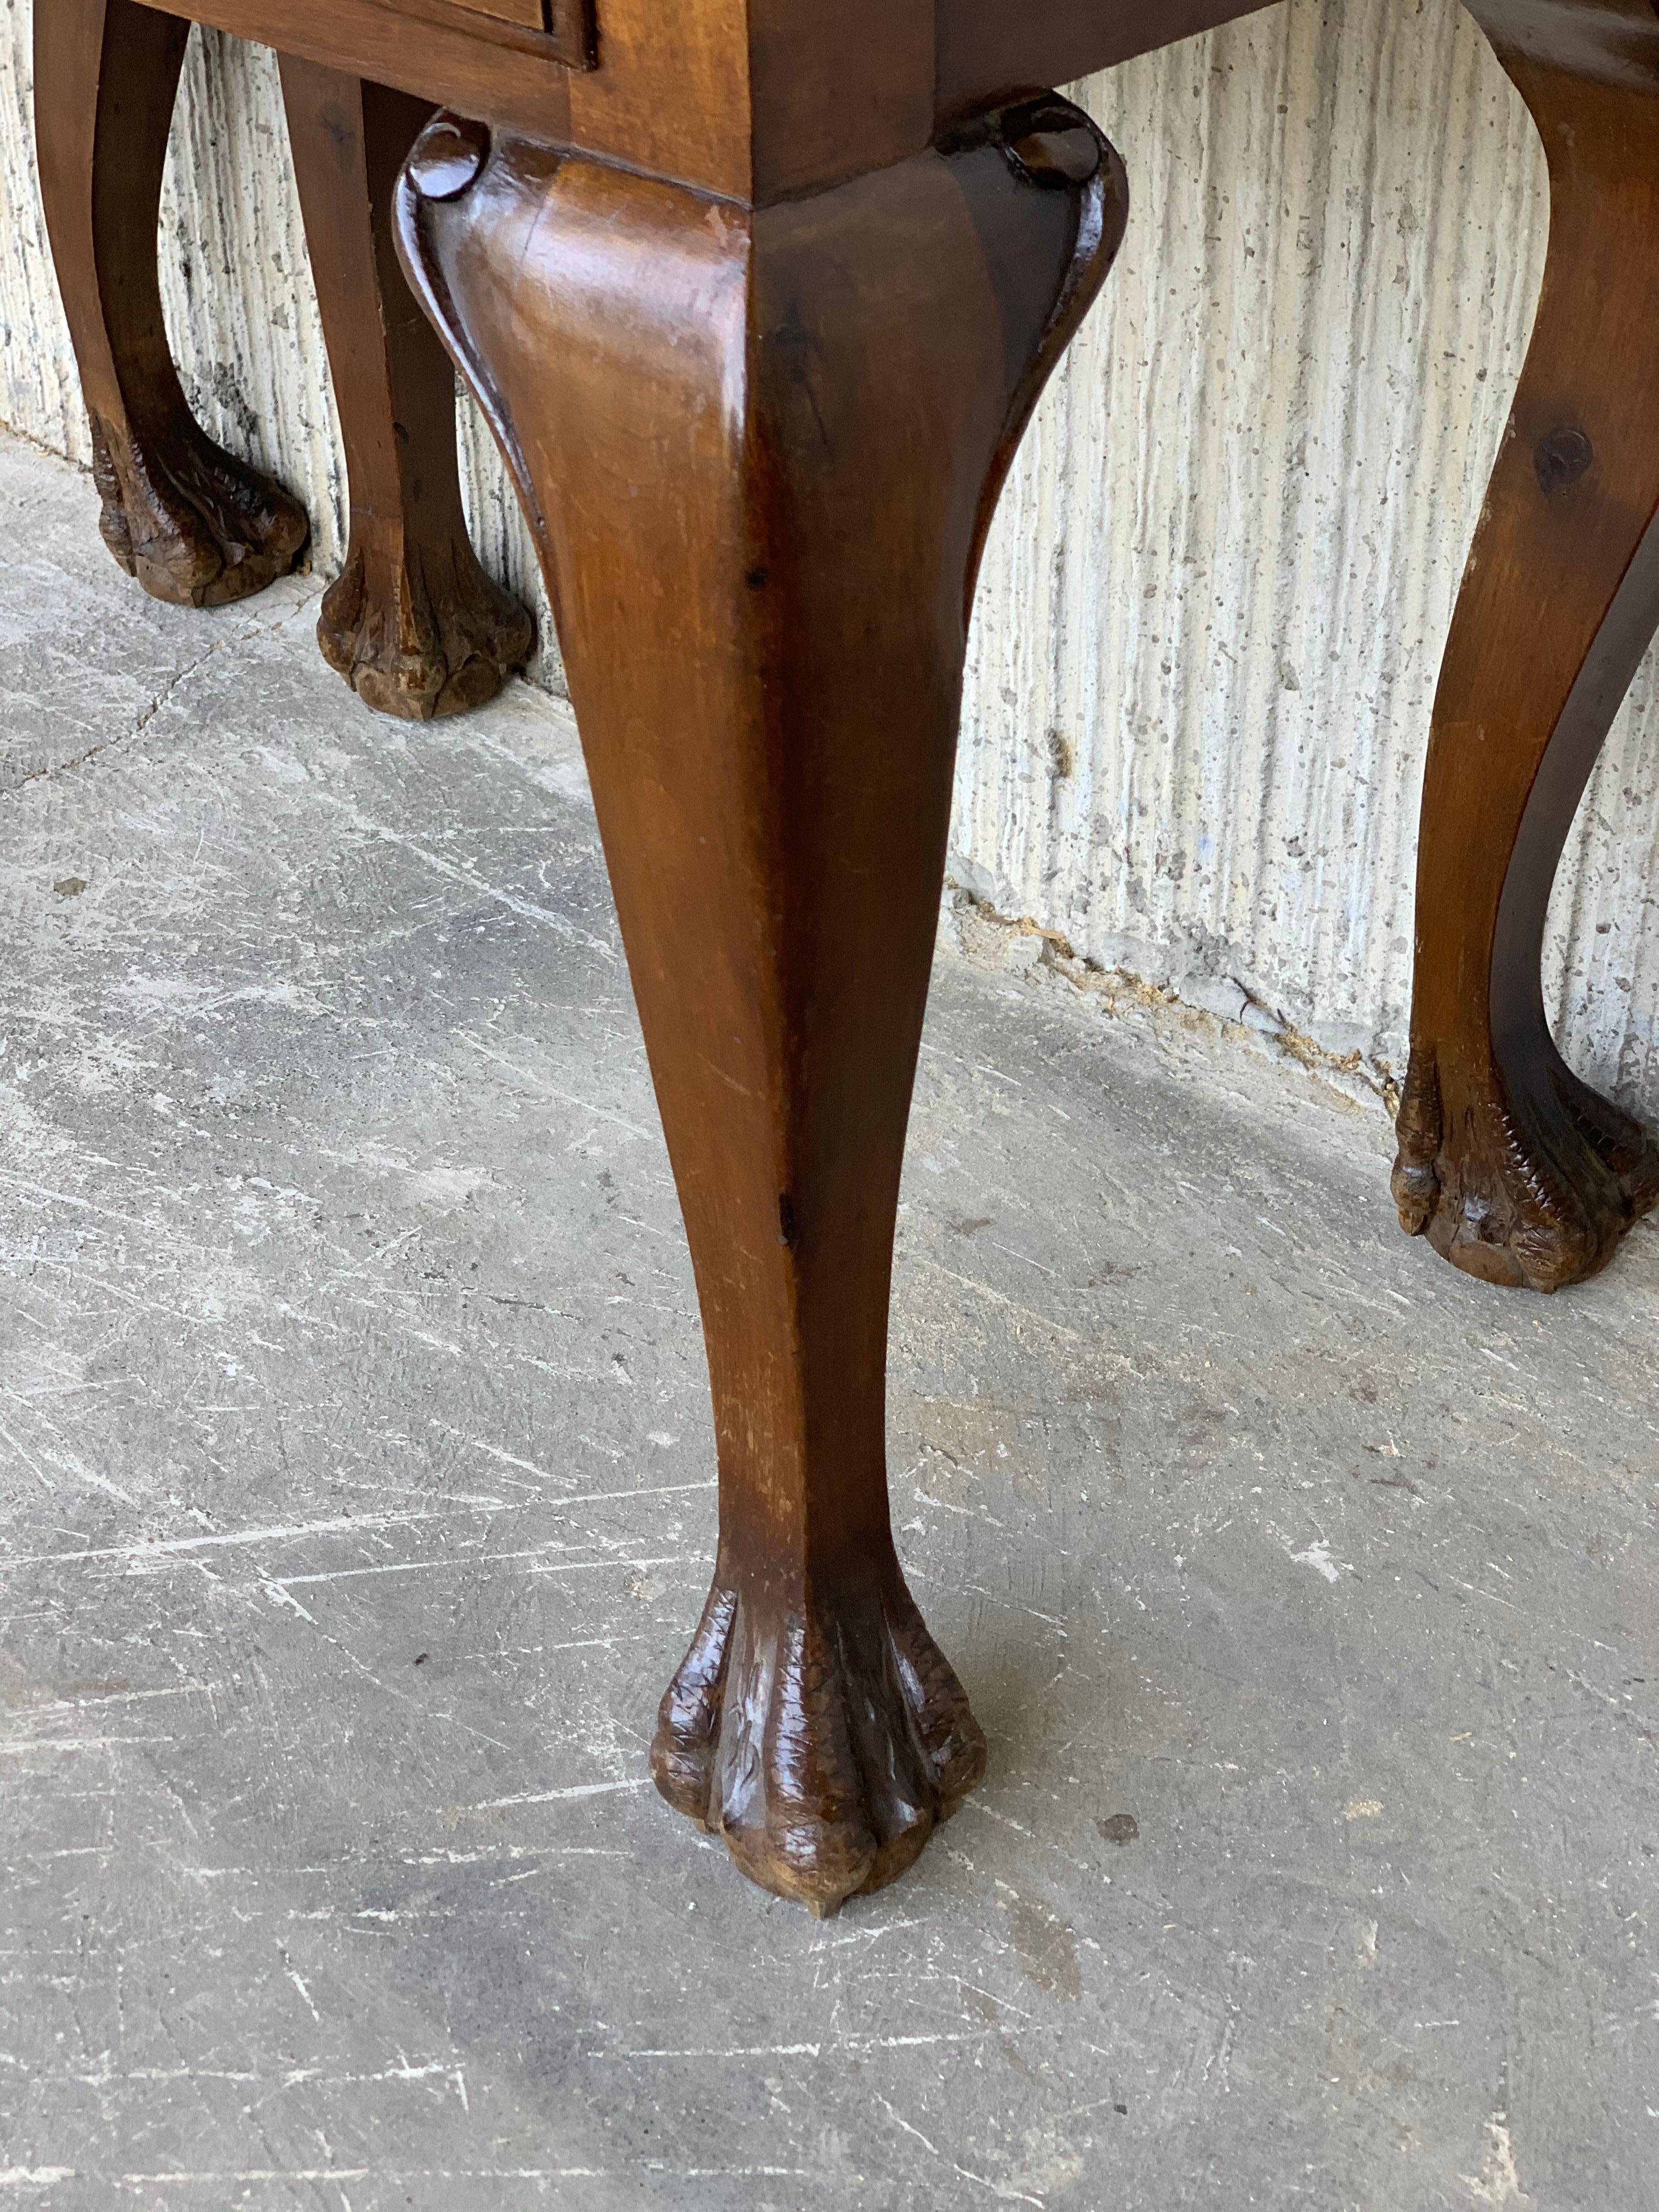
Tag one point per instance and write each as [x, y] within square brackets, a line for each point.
[1516, 1171]
[412, 621]
[760, 451]
[193, 523]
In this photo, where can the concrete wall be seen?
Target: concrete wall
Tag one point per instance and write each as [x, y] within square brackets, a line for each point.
[1219, 587]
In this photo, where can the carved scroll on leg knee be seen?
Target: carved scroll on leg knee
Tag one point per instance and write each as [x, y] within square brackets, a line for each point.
[192, 523]
[412, 621]
[1516, 1170]
[760, 450]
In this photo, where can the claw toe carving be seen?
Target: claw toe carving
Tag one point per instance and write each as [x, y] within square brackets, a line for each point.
[422, 637]
[194, 525]
[823, 1743]
[1533, 1193]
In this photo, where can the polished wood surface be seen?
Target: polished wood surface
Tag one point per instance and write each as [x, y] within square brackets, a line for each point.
[1514, 1169]
[191, 523]
[755, 99]
[757, 295]
[987, 50]
[412, 622]
[760, 451]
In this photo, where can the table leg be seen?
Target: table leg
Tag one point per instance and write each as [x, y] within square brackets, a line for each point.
[760, 451]
[192, 523]
[412, 621]
[1517, 1170]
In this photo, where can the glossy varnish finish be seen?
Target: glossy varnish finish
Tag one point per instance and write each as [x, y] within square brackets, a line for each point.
[753, 99]
[192, 523]
[989, 49]
[1512, 1166]
[413, 623]
[760, 451]
[757, 295]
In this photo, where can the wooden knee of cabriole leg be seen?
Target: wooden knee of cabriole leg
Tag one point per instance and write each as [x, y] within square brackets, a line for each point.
[1516, 1170]
[760, 449]
[192, 523]
[412, 621]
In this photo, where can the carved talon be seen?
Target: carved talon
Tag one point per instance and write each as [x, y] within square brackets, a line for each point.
[196, 526]
[1538, 1193]
[824, 1744]
[421, 646]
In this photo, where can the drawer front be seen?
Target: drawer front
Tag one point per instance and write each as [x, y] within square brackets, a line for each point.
[562, 30]
[449, 52]
[532, 14]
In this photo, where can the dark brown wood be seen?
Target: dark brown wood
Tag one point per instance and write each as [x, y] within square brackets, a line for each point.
[412, 622]
[760, 451]
[991, 50]
[566, 25]
[758, 295]
[192, 523]
[1516, 1170]
[751, 98]
[434, 48]
[755, 99]
[531, 14]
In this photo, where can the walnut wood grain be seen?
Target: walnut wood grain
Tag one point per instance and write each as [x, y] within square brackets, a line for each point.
[1516, 1170]
[987, 49]
[412, 622]
[758, 295]
[760, 451]
[531, 14]
[435, 50]
[193, 523]
[752, 99]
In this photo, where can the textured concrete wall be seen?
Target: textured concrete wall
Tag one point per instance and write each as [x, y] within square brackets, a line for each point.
[1218, 591]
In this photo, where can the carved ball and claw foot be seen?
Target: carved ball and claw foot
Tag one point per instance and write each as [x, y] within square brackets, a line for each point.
[824, 1740]
[422, 636]
[412, 622]
[195, 525]
[1534, 1191]
[760, 448]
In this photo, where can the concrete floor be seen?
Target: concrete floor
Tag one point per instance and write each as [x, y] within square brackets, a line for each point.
[358, 1484]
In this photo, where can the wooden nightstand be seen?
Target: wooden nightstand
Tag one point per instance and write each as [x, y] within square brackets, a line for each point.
[758, 296]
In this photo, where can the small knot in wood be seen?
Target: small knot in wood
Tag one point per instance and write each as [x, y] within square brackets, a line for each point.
[1562, 459]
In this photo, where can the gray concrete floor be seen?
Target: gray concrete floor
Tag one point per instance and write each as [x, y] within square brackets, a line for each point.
[357, 1484]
